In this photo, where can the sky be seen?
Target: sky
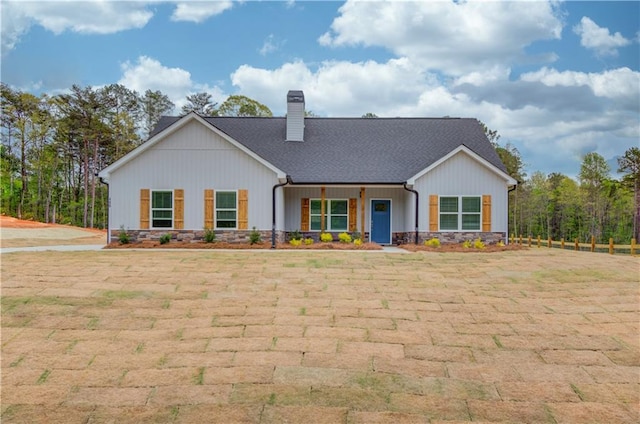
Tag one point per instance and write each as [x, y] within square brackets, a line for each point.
[556, 79]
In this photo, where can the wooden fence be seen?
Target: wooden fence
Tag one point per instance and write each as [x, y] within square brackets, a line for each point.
[576, 245]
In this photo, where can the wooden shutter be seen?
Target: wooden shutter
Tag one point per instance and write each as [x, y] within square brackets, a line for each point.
[433, 213]
[178, 209]
[144, 208]
[353, 214]
[208, 208]
[243, 209]
[486, 213]
[304, 215]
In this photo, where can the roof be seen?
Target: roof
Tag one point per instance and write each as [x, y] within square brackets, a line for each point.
[355, 150]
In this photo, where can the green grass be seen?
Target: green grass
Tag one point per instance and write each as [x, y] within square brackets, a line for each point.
[124, 294]
[199, 378]
[43, 377]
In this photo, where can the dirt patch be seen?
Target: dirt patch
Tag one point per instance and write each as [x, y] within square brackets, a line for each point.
[21, 233]
[459, 248]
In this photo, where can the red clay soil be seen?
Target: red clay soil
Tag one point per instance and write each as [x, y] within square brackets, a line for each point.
[11, 222]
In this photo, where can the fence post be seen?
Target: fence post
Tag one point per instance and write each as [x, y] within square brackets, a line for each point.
[577, 245]
[562, 243]
[538, 240]
[593, 243]
[520, 239]
[511, 241]
[529, 240]
[549, 242]
[633, 246]
[611, 245]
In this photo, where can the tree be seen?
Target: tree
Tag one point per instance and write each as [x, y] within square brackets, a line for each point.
[154, 104]
[238, 105]
[630, 165]
[369, 115]
[593, 172]
[201, 104]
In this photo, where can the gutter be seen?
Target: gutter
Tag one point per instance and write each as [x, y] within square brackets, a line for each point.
[417, 208]
[273, 210]
[102, 181]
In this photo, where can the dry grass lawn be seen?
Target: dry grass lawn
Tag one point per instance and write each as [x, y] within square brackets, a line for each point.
[319, 337]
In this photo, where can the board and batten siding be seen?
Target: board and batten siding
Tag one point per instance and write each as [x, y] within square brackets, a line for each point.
[294, 196]
[459, 176]
[194, 159]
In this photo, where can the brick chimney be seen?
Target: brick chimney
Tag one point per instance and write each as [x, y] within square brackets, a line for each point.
[295, 115]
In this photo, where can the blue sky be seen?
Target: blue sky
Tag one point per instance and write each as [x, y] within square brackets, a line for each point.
[555, 79]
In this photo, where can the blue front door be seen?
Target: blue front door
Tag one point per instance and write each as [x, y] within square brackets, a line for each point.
[381, 221]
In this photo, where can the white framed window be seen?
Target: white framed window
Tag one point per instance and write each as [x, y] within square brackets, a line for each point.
[336, 213]
[460, 213]
[162, 209]
[226, 213]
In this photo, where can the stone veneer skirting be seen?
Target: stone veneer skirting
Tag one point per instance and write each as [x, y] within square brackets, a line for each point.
[242, 236]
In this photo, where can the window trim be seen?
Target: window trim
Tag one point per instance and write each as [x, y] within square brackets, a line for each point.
[216, 209]
[327, 214]
[172, 209]
[460, 214]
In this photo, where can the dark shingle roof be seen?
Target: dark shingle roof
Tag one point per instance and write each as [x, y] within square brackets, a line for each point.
[355, 150]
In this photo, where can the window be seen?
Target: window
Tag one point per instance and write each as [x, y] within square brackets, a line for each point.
[336, 215]
[460, 213]
[226, 209]
[162, 209]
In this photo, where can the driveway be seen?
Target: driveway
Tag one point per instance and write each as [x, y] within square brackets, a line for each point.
[271, 337]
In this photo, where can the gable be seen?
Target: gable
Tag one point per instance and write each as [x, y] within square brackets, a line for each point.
[187, 140]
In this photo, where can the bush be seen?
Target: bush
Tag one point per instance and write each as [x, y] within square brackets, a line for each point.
[295, 235]
[308, 241]
[500, 243]
[326, 237]
[344, 238]
[123, 236]
[295, 242]
[357, 242]
[254, 236]
[434, 242]
[209, 235]
[466, 244]
[478, 244]
[165, 238]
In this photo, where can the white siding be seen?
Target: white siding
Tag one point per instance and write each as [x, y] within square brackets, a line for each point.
[193, 158]
[462, 175]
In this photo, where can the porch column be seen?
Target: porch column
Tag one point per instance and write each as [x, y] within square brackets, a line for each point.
[362, 208]
[322, 211]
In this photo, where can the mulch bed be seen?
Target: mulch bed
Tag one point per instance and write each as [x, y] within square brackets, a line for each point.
[454, 247]
[225, 245]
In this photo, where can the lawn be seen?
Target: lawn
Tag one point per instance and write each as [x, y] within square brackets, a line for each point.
[537, 335]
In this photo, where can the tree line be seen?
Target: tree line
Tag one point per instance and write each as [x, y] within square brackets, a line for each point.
[557, 206]
[53, 146]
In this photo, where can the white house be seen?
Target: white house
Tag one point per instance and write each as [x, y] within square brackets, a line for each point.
[393, 180]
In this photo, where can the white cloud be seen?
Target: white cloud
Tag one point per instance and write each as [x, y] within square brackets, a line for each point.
[269, 45]
[455, 38]
[199, 11]
[599, 39]
[89, 17]
[149, 74]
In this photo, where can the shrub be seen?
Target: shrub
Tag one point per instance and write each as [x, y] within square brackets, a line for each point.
[357, 242]
[165, 238]
[209, 235]
[254, 236]
[326, 237]
[295, 242]
[308, 241]
[434, 242]
[478, 244]
[123, 236]
[500, 243]
[344, 238]
[356, 235]
[466, 244]
[295, 235]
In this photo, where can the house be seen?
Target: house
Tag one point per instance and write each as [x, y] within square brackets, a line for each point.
[393, 180]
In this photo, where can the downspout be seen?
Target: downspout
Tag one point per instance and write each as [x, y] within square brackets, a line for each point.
[108, 208]
[404, 185]
[273, 210]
